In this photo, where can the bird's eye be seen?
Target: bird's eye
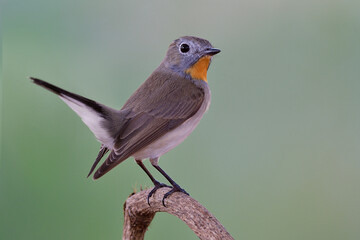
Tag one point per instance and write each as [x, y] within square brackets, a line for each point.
[184, 48]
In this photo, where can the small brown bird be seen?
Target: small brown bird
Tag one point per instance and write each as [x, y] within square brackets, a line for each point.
[157, 117]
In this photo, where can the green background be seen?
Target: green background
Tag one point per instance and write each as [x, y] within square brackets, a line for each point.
[276, 157]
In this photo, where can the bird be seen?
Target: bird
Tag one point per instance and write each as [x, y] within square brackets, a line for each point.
[156, 118]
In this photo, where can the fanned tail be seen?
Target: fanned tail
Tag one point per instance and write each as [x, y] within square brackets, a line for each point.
[102, 120]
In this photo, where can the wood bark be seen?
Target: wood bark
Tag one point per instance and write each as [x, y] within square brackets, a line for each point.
[138, 215]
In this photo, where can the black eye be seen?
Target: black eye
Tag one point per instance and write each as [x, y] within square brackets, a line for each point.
[184, 48]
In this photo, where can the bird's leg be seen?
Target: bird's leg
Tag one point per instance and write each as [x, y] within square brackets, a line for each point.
[176, 187]
[156, 183]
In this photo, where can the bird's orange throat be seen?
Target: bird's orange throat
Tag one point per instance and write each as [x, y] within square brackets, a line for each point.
[199, 69]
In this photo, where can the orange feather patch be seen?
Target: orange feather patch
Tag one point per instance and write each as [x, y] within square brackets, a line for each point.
[199, 69]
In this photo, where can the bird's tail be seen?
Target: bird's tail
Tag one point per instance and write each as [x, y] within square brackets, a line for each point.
[102, 120]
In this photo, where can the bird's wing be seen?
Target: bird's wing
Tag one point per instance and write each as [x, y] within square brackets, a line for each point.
[102, 152]
[151, 116]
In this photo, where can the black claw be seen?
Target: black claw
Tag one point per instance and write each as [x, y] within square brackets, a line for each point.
[176, 188]
[156, 187]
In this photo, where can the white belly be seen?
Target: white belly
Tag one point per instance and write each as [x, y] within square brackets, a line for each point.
[175, 137]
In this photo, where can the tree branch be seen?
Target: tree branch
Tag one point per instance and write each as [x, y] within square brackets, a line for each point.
[138, 215]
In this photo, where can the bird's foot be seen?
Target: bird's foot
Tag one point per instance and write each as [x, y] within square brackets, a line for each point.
[176, 188]
[156, 187]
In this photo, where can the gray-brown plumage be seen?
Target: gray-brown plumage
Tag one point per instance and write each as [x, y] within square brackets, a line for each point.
[158, 116]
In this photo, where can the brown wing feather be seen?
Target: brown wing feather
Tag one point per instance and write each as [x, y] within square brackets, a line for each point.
[102, 152]
[152, 116]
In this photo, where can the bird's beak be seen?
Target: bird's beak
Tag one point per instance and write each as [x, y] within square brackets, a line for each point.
[212, 51]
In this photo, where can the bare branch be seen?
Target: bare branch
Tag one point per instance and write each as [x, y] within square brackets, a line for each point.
[138, 215]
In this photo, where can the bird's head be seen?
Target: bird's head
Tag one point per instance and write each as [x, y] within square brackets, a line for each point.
[190, 56]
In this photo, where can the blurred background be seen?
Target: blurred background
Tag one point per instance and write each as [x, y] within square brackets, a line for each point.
[277, 156]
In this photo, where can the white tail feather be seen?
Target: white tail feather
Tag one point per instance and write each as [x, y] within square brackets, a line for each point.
[92, 119]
